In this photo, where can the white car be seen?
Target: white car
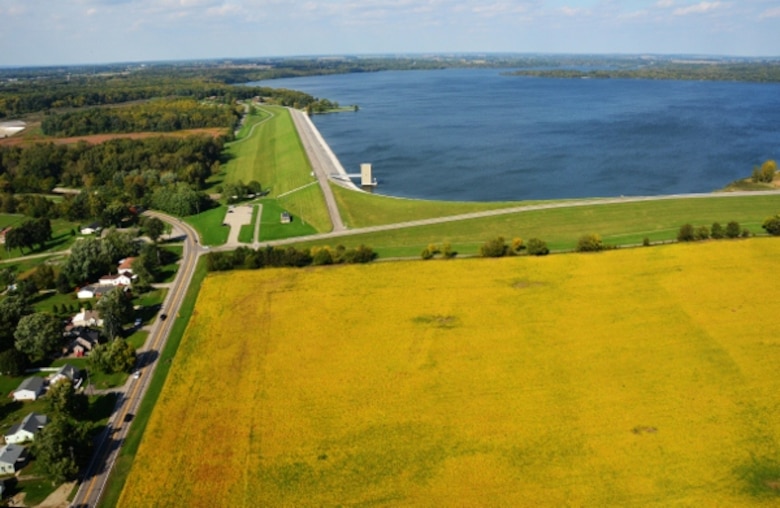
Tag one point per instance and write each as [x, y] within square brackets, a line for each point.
[136, 374]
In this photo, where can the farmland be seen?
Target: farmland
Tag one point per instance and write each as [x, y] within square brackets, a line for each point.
[631, 377]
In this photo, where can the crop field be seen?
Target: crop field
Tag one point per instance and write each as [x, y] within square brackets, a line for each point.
[636, 377]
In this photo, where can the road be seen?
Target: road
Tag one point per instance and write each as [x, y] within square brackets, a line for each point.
[323, 163]
[131, 394]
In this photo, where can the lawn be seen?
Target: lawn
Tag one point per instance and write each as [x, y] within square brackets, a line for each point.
[62, 236]
[618, 224]
[247, 233]
[361, 209]
[637, 377]
[210, 225]
[273, 155]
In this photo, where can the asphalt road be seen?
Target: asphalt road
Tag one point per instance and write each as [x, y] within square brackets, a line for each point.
[131, 394]
[322, 163]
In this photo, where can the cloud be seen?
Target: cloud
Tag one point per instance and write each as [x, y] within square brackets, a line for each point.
[572, 11]
[699, 8]
[770, 13]
[664, 3]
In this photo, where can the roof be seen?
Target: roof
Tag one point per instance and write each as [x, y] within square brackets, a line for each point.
[33, 383]
[10, 453]
[31, 423]
[126, 264]
[67, 370]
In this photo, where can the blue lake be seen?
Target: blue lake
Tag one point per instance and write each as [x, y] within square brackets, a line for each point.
[478, 135]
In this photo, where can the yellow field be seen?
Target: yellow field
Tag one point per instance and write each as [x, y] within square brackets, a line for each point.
[645, 377]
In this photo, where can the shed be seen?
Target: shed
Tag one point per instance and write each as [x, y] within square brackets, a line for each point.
[286, 218]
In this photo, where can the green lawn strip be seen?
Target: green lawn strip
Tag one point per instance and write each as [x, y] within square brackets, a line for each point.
[168, 271]
[67, 304]
[247, 232]
[62, 233]
[362, 209]
[36, 489]
[271, 227]
[618, 224]
[210, 225]
[125, 459]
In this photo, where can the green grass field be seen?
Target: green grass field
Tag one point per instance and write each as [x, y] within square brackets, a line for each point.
[618, 224]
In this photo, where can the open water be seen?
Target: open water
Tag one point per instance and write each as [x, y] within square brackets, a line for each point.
[478, 135]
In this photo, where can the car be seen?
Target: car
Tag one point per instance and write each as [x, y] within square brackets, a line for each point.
[138, 322]
[136, 374]
[129, 417]
[163, 316]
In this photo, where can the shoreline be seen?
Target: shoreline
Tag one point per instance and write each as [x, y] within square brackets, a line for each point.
[344, 180]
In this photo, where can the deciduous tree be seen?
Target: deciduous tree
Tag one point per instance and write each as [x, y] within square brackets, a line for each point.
[38, 335]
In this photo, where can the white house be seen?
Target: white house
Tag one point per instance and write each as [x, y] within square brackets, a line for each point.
[87, 318]
[67, 371]
[26, 431]
[94, 290]
[30, 389]
[12, 458]
[120, 279]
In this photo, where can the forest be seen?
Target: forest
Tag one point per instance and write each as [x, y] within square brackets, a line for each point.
[158, 115]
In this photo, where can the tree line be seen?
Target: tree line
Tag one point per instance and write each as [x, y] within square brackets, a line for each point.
[162, 115]
[277, 257]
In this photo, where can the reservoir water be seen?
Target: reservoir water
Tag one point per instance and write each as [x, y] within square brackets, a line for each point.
[479, 135]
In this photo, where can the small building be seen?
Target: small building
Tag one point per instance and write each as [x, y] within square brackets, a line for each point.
[285, 218]
[30, 389]
[67, 371]
[94, 291]
[12, 458]
[120, 279]
[126, 266]
[90, 229]
[27, 429]
[87, 318]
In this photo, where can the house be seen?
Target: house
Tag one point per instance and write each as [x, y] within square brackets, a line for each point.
[30, 389]
[90, 229]
[94, 290]
[126, 266]
[82, 341]
[67, 371]
[12, 458]
[4, 232]
[26, 431]
[120, 279]
[87, 318]
[286, 218]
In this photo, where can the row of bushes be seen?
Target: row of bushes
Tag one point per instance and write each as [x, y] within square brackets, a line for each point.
[498, 247]
[690, 233]
[245, 257]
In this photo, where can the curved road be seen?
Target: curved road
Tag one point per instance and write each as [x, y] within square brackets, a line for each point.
[131, 394]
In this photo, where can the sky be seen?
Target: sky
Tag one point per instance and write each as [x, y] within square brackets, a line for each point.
[63, 32]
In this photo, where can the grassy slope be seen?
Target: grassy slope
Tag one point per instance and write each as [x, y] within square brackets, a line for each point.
[624, 223]
[274, 156]
[643, 377]
[361, 209]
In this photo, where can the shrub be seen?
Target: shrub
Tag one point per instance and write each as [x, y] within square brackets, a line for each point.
[426, 253]
[537, 247]
[733, 230]
[686, 233]
[646, 242]
[494, 248]
[772, 225]
[702, 233]
[590, 243]
[717, 231]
